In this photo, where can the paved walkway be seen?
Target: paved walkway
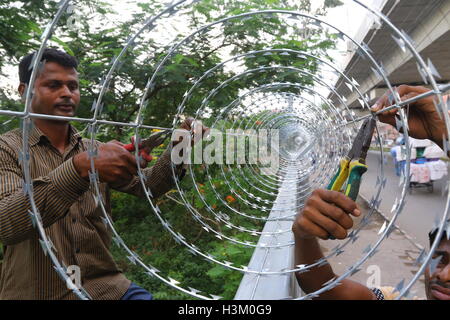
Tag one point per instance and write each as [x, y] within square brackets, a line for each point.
[422, 207]
[395, 260]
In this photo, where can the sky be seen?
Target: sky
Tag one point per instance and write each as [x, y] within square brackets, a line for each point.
[353, 20]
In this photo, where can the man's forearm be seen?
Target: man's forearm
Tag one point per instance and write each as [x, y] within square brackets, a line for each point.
[441, 144]
[159, 178]
[307, 251]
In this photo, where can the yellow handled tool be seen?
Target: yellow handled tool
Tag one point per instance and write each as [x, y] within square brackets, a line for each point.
[353, 166]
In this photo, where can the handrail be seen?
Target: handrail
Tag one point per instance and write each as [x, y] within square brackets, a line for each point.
[280, 286]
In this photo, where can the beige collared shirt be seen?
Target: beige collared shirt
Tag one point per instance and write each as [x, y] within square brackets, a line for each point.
[70, 215]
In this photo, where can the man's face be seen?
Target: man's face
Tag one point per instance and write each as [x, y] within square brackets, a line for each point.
[437, 284]
[56, 91]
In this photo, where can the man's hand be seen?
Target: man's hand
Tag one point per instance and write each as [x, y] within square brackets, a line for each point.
[145, 159]
[115, 165]
[326, 213]
[424, 121]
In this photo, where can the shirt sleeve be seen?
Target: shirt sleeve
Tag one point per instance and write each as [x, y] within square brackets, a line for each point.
[53, 194]
[159, 178]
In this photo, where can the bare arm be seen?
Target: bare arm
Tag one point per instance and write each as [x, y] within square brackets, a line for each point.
[159, 178]
[424, 121]
[326, 213]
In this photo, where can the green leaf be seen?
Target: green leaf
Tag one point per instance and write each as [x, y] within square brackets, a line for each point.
[63, 44]
[216, 272]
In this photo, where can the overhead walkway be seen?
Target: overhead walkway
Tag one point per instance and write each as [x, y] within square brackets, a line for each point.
[427, 23]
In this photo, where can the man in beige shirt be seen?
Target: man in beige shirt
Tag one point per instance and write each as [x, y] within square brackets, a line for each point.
[59, 165]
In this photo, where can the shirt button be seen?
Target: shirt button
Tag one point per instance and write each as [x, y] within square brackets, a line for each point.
[74, 220]
[77, 250]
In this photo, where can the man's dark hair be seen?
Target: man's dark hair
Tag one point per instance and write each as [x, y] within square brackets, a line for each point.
[432, 235]
[49, 55]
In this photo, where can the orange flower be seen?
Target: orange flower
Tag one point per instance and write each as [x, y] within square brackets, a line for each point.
[230, 199]
[214, 206]
[258, 123]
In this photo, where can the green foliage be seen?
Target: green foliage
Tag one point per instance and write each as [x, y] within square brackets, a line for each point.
[144, 234]
[21, 21]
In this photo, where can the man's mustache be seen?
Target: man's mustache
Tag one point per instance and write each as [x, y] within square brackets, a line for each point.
[67, 103]
[440, 284]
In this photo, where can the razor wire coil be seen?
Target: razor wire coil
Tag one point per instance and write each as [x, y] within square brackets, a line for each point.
[259, 106]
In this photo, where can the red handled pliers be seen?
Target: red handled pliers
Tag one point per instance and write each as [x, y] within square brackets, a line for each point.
[147, 145]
